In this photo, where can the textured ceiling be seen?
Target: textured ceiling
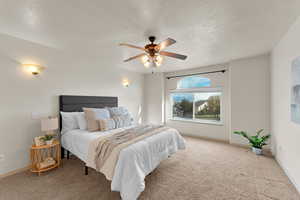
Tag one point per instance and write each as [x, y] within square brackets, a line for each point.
[208, 31]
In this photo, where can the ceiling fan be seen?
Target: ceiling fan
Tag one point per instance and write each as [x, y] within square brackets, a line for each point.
[153, 55]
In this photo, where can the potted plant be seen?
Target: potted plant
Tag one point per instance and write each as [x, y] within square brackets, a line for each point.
[48, 139]
[257, 141]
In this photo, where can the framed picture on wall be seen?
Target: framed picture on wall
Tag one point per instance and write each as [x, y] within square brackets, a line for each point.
[295, 91]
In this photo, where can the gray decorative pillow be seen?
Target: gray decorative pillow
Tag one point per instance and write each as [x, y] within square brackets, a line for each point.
[118, 111]
[127, 120]
[122, 121]
[121, 116]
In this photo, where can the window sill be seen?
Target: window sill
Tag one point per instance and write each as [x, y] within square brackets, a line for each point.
[198, 122]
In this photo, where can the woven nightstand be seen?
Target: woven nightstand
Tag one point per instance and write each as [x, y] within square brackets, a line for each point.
[38, 155]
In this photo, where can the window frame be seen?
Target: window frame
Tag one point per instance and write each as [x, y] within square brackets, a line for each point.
[199, 90]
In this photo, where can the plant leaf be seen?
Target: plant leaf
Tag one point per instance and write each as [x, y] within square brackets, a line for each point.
[255, 141]
[259, 132]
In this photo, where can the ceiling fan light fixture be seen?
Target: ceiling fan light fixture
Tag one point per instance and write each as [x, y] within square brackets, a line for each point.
[153, 54]
[147, 64]
[149, 61]
[157, 64]
[145, 59]
[158, 60]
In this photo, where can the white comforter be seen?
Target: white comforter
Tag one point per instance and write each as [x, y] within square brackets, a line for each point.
[141, 158]
[135, 161]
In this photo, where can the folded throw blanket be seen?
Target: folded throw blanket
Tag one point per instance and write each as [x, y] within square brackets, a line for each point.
[108, 148]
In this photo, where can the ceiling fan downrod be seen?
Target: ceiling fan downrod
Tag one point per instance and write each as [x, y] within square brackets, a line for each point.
[152, 39]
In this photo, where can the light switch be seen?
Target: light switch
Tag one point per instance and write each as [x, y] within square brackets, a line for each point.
[36, 115]
[2, 157]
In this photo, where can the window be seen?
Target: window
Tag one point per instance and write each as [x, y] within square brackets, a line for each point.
[194, 101]
[193, 82]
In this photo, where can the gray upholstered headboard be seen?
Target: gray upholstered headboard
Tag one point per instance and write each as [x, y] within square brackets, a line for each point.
[68, 103]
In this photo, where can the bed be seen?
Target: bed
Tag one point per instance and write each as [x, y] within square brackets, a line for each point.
[134, 162]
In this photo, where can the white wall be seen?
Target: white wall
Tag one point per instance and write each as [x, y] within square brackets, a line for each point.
[286, 134]
[250, 96]
[22, 94]
[154, 98]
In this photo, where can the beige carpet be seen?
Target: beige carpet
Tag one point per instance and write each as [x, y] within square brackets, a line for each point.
[205, 171]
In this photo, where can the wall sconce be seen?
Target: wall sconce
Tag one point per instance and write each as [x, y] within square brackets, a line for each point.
[125, 83]
[33, 68]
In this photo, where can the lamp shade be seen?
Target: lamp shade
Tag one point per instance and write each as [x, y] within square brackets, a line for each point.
[49, 124]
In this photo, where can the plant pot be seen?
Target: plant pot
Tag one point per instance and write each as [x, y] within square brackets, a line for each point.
[49, 142]
[257, 151]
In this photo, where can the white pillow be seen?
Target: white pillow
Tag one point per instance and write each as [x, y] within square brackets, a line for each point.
[80, 117]
[69, 121]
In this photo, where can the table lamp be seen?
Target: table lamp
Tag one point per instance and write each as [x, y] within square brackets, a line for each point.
[49, 125]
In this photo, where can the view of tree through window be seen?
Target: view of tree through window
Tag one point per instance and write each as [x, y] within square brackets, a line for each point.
[196, 106]
[207, 106]
[183, 105]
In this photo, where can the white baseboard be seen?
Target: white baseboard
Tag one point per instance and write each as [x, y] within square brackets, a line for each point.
[14, 172]
[204, 138]
[286, 171]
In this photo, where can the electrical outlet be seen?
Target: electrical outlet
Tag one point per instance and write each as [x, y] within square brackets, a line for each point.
[2, 157]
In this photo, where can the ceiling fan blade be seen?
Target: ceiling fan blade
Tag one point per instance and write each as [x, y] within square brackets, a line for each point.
[166, 43]
[132, 46]
[134, 57]
[173, 55]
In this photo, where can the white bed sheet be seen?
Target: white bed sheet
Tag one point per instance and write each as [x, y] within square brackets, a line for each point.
[77, 141]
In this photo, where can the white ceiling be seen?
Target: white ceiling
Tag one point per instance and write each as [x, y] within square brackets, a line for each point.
[208, 31]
